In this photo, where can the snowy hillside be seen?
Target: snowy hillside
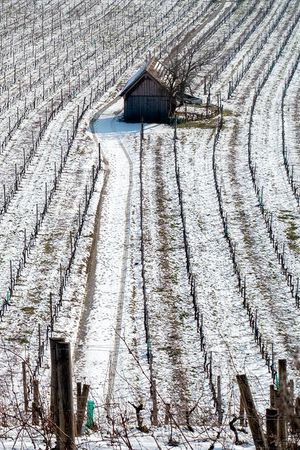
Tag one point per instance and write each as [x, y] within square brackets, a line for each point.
[169, 259]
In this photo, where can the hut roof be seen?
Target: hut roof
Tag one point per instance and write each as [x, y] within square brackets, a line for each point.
[153, 68]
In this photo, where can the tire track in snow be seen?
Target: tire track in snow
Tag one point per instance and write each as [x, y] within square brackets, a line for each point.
[113, 215]
[121, 297]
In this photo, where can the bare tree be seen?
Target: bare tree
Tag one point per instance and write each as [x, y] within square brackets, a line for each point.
[181, 68]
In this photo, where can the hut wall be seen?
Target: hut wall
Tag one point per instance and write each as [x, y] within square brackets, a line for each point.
[148, 87]
[150, 109]
[148, 101]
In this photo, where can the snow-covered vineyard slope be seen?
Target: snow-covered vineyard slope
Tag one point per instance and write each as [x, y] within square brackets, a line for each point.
[170, 261]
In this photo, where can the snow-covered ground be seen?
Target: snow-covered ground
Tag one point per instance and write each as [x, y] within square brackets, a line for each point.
[126, 303]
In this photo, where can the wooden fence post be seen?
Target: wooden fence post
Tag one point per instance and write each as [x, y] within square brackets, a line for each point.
[282, 403]
[167, 413]
[219, 400]
[54, 390]
[272, 429]
[65, 395]
[253, 419]
[296, 418]
[291, 400]
[78, 395]
[82, 396]
[35, 403]
[154, 416]
[25, 386]
[242, 412]
[273, 395]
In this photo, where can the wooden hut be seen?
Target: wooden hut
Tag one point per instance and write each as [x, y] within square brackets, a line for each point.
[146, 95]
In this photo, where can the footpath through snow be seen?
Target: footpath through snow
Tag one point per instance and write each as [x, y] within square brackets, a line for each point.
[109, 278]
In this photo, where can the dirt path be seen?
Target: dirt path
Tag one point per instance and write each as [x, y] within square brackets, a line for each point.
[118, 327]
[91, 267]
[100, 328]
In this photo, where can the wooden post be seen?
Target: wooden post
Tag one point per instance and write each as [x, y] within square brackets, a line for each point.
[154, 416]
[40, 344]
[167, 413]
[11, 276]
[51, 311]
[25, 386]
[253, 419]
[296, 418]
[71, 242]
[54, 390]
[242, 412]
[46, 196]
[55, 176]
[175, 128]
[16, 177]
[139, 418]
[273, 395]
[65, 397]
[78, 392]
[99, 155]
[219, 400]
[37, 214]
[272, 430]
[78, 397]
[291, 403]
[4, 196]
[273, 360]
[35, 403]
[291, 393]
[25, 239]
[93, 178]
[282, 403]
[82, 396]
[60, 275]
